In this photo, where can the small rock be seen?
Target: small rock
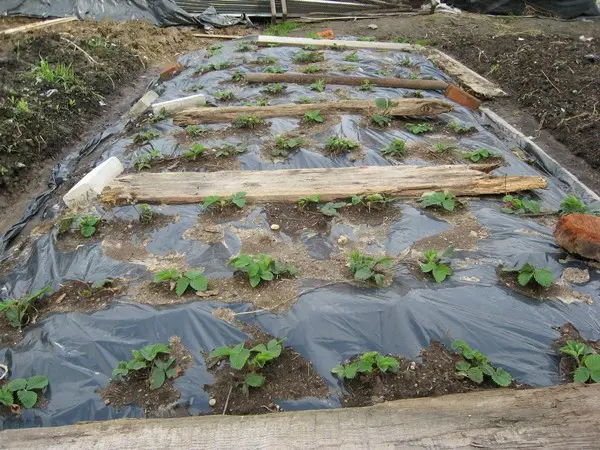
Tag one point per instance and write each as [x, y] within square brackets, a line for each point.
[413, 365]
[274, 227]
[372, 26]
[579, 234]
[342, 240]
[212, 402]
[582, 38]
[574, 275]
[107, 402]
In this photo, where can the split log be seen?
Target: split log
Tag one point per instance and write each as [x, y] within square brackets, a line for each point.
[552, 418]
[329, 184]
[406, 83]
[406, 107]
[37, 25]
[337, 43]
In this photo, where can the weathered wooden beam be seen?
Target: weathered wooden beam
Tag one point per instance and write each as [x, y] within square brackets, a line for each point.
[555, 418]
[37, 25]
[339, 43]
[405, 107]
[332, 183]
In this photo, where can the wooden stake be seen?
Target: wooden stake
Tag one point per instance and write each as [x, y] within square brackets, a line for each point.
[329, 184]
[37, 25]
[406, 107]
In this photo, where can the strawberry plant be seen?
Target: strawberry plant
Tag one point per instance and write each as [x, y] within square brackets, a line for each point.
[284, 146]
[23, 391]
[87, 225]
[441, 148]
[367, 363]
[367, 268]
[314, 116]
[376, 201]
[275, 88]
[318, 86]
[224, 95]
[248, 121]
[436, 264]
[266, 60]
[304, 100]
[307, 200]
[588, 362]
[230, 150]
[238, 199]
[367, 86]
[419, 128]
[395, 149]
[457, 128]
[152, 361]
[215, 49]
[367, 39]
[381, 120]
[529, 272]
[308, 57]
[274, 69]
[479, 154]
[516, 205]
[331, 209]
[335, 144]
[237, 76]
[17, 311]
[194, 152]
[352, 57]
[194, 279]
[144, 138]
[244, 47]
[417, 94]
[144, 160]
[571, 204]
[261, 268]
[444, 200]
[145, 213]
[405, 62]
[476, 366]
[313, 69]
[162, 115]
[195, 130]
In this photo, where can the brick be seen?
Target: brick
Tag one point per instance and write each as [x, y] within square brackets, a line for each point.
[170, 72]
[579, 234]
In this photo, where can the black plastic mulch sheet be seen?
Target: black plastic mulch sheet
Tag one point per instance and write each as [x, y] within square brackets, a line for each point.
[567, 9]
[328, 324]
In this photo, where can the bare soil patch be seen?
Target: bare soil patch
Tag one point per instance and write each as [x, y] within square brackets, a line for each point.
[207, 162]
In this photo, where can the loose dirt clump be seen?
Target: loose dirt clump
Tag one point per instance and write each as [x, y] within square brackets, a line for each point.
[288, 377]
[136, 389]
[567, 363]
[435, 376]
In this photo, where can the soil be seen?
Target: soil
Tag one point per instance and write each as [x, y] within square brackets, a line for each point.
[289, 377]
[207, 162]
[74, 296]
[135, 390]
[435, 376]
[567, 363]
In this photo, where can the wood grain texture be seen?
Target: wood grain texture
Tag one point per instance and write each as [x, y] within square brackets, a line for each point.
[340, 43]
[332, 183]
[406, 107]
[37, 25]
[562, 417]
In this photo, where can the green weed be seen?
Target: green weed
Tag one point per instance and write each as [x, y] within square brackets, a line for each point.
[17, 311]
[194, 279]
[261, 268]
[22, 390]
[436, 264]
[476, 366]
[417, 94]
[152, 362]
[445, 200]
[59, 75]
[529, 272]
[405, 62]
[305, 100]
[366, 268]
[266, 60]
[367, 363]
[281, 29]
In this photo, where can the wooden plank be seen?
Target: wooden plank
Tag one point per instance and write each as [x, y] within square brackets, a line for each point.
[217, 36]
[406, 107]
[555, 418]
[37, 25]
[406, 83]
[467, 77]
[340, 43]
[332, 183]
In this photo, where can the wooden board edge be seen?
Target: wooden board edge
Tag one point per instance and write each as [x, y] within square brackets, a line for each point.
[38, 25]
[367, 45]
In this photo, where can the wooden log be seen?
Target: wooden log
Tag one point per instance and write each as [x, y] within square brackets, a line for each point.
[554, 418]
[330, 184]
[37, 25]
[406, 107]
[259, 77]
[217, 36]
[340, 43]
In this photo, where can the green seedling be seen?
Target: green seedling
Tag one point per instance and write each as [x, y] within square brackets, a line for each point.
[516, 205]
[304, 100]
[352, 57]
[441, 148]
[367, 39]
[275, 88]
[529, 272]
[367, 363]
[405, 62]
[215, 49]
[261, 268]
[331, 209]
[476, 366]
[3, 171]
[281, 29]
[422, 42]
[238, 199]
[417, 94]
[367, 86]
[237, 76]
[571, 204]
[419, 128]
[144, 160]
[274, 69]
[310, 48]
[436, 264]
[145, 213]
[367, 268]
[23, 391]
[588, 362]
[194, 152]
[266, 60]
[445, 200]
[314, 116]
[17, 311]
[376, 201]
[144, 138]
[87, 225]
[162, 115]
[59, 75]
[228, 150]
[194, 279]
[381, 120]
[308, 57]
[304, 201]
[457, 128]
[383, 117]
[221, 65]
[385, 72]
[313, 69]
[21, 106]
[244, 47]
[335, 144]
[248, 121]
[318, 86]
[224, 95]
[284, 146]
[413, 76]
[396, 149]
[152, 361]
[479, 154]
